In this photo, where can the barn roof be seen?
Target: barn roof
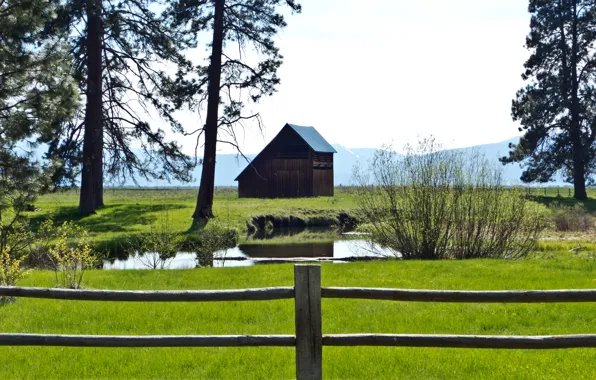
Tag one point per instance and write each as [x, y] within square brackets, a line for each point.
[313, 138]
[309, 134]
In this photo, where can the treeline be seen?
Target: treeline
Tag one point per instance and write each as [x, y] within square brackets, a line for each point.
[85, 78]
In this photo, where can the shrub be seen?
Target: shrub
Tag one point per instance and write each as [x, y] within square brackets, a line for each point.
[216, 237]
[158, 247]
[437, 204]
[69, 252]
[10, 269]
[567, 218]
[15, 239]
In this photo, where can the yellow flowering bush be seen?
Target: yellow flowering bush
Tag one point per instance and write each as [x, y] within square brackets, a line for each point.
[71, 254]
[14, 248]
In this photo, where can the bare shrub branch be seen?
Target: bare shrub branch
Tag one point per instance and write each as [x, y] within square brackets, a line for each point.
[438, 204]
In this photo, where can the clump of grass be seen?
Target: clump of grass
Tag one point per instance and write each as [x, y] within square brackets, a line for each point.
[567, 218]
[268, 226]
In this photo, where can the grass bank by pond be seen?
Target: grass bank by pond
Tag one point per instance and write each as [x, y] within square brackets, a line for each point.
[339, 316]
[131, 212]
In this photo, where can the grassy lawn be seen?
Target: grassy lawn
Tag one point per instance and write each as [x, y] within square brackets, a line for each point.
[128, 212]
[339, 316]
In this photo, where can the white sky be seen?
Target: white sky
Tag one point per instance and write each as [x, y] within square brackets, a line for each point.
[365, 73]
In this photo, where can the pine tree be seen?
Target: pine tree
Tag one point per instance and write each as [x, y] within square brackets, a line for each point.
[232, 79]
[37, 97]
[122, 51]
[557, 108]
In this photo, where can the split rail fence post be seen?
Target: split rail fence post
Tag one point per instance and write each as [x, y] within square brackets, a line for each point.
[309, 335]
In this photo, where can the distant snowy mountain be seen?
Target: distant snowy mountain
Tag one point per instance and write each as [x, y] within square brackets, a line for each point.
[511, 172]
[230, 165]
[345, 159]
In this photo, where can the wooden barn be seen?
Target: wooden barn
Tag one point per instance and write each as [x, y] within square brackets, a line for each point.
[298, 162]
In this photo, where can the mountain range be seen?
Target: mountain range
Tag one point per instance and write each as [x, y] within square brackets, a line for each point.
[230, 165]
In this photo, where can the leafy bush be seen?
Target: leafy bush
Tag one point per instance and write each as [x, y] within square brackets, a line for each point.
[160, 245]
[69, 251]
[217, 237]
[437, 204]
[10, 270]
[15, 240]
[567, 218]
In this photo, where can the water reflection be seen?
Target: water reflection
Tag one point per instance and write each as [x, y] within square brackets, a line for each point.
[324, 249]
[286, 232]
[250, 254]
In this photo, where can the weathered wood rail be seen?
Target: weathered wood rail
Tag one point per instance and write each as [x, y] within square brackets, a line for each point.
[505, 296]
[262, 294]
[309, 339]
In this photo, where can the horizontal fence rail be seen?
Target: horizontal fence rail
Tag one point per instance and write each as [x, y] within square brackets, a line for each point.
[261, 294]
[462, 341]
[308, 339]
[508, 296]
[267, 294]
[397, 340]
[147, 341]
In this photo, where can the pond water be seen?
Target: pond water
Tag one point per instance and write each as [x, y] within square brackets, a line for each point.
[251, 254]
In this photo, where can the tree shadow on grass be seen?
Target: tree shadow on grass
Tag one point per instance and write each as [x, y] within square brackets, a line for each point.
[111, 218]
[588, 204]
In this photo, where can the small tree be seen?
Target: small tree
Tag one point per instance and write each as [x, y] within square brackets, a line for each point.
[216, 237]
[159, 247]
[437, 204]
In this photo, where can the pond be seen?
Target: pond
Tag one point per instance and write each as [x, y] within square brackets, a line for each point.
[251, 253]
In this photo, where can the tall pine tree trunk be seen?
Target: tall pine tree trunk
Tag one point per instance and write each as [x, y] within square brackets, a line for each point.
[91, 195]
[98, 165]
[579, 183]
[204, 208]
[577, 148]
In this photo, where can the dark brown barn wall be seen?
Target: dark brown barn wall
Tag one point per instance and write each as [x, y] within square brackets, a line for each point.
[322, 183]
[292, 178]
[323, 174]
[255, 183]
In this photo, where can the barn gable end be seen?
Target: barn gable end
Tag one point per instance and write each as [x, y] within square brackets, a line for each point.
[298, 162]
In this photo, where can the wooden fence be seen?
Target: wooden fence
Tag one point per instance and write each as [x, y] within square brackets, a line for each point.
[309, 339]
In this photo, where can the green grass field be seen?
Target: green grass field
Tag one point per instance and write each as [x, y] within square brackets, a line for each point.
[339, 316]
[129, 212]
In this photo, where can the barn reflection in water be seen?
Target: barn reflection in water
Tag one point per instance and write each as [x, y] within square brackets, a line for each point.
[324, 249]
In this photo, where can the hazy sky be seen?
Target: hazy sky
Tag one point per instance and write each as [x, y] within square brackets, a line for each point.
[365, 73]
